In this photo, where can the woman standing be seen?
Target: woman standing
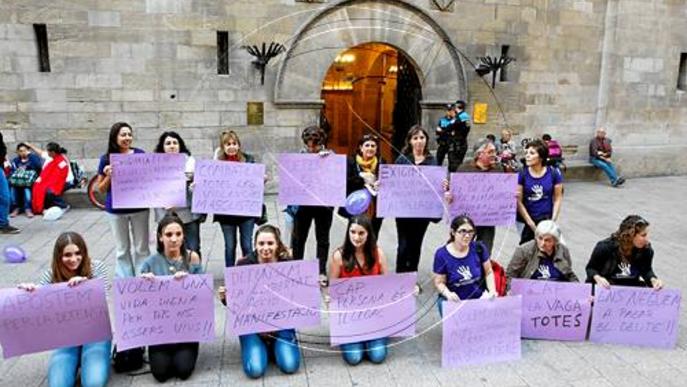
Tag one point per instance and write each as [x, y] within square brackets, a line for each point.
[314, 140]
[230, 150]
[544, 258]
[172, 258]
[411, 231]
[359, 256]
[625, 258]
[72, 264]
[123, 221]
[171, 142]
[462, 267]
[362, 172]
[283, 344]
[540, 189]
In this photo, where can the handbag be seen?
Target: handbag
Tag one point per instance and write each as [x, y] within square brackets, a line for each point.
[23, 177]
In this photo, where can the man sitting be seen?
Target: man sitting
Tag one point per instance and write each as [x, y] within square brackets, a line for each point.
[600, 156]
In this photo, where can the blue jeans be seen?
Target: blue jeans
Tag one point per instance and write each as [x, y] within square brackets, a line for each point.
[16, 194]
[375, 349]
[94, 359]
[607, 167]
[245, 229]
[254, 353]
[4, 200]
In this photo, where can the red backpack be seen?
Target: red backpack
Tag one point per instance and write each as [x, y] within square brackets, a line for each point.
[499, 278]
[555, 149]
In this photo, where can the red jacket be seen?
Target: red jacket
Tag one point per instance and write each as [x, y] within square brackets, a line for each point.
[52, 177]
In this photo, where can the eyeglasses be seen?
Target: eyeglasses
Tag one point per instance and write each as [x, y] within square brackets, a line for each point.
[369, 137]
[464, 232]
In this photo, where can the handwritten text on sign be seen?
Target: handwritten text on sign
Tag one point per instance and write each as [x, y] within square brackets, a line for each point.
[372, 307]
[272, 296]
[407, 191]
[636, 316]
[163, 310]
[313, 180]
[488, 198]
[554, 310]
[145, 180]
[228, 188]
[481, 331]
[53, 316]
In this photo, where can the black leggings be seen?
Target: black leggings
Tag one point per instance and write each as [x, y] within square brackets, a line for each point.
[170, 360]
[322, 216]
[411, 232]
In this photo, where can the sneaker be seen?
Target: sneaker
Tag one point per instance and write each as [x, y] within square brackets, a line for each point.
[14, 213]
[9, 230]
[620, 181]
[28, 214]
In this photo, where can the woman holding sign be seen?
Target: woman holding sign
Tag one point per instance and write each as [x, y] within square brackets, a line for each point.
[171, 142]
[172, 258]
[123, 221]
[362, 172]
[540, 189]
[625, 258]
[360, 255]
[462, 267]
[254, 347]
[544, 258]
[72, 264]
[230, 150]
[411, 231]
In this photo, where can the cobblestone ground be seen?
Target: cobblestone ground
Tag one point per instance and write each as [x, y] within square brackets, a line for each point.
[591, 211]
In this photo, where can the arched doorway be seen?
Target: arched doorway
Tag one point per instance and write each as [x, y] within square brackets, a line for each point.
[370, 88]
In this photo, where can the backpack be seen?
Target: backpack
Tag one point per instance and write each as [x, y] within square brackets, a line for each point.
[500, 279]
[555, 149]
[128, 360]
[79, 174]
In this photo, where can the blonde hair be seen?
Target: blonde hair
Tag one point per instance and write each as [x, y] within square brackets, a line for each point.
[224, 138]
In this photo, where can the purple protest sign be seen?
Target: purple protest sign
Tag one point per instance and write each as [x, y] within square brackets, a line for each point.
[408, 191]
[145, 180]
[554, 310]
[272, 296]
[53, 316]
[163, 310]
[372, 307]
[636, 316]
[228, 188]
[488, 198]
[311, 179]
[481, 331]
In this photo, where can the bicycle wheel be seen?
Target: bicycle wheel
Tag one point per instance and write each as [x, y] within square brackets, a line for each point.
[94, 195]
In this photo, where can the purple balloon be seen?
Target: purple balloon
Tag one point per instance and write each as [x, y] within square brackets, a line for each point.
[358, 202]
[14, 254]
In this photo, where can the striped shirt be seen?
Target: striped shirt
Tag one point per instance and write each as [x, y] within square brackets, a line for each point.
[98, 268]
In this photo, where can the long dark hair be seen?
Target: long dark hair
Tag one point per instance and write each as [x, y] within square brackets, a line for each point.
[164, 222]
[457, 222]
[629, 227]
[160, 147]
[369, 249]
[55, 148]
[59, 271]
[408, 148]
[112, 146]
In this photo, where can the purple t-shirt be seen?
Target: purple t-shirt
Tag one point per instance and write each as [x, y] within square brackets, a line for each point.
[104, 162]
[547, 271]
[537, 193]
[464, 276]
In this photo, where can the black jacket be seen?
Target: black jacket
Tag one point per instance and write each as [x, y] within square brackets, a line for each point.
[606, 257]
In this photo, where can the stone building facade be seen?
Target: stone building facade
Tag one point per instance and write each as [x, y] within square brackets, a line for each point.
[154, 63]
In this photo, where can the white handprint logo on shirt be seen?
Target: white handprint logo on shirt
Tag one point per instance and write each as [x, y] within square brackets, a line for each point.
[544, 272]
[465, 272]
[537, 193]
[624, 269]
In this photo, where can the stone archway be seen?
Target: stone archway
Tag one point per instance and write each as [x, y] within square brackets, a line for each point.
[349, 23]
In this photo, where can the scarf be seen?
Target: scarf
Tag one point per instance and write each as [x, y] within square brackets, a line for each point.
[367, 166]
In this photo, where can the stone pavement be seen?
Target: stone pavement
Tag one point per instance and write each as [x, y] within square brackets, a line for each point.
[591, 211]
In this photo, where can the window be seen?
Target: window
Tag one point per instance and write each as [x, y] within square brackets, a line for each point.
[222, 52]
[682, 73]
[503, 76]
[42, 43]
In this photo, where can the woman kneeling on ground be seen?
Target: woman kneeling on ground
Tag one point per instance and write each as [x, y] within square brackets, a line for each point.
[255, 346]
[172, 258]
